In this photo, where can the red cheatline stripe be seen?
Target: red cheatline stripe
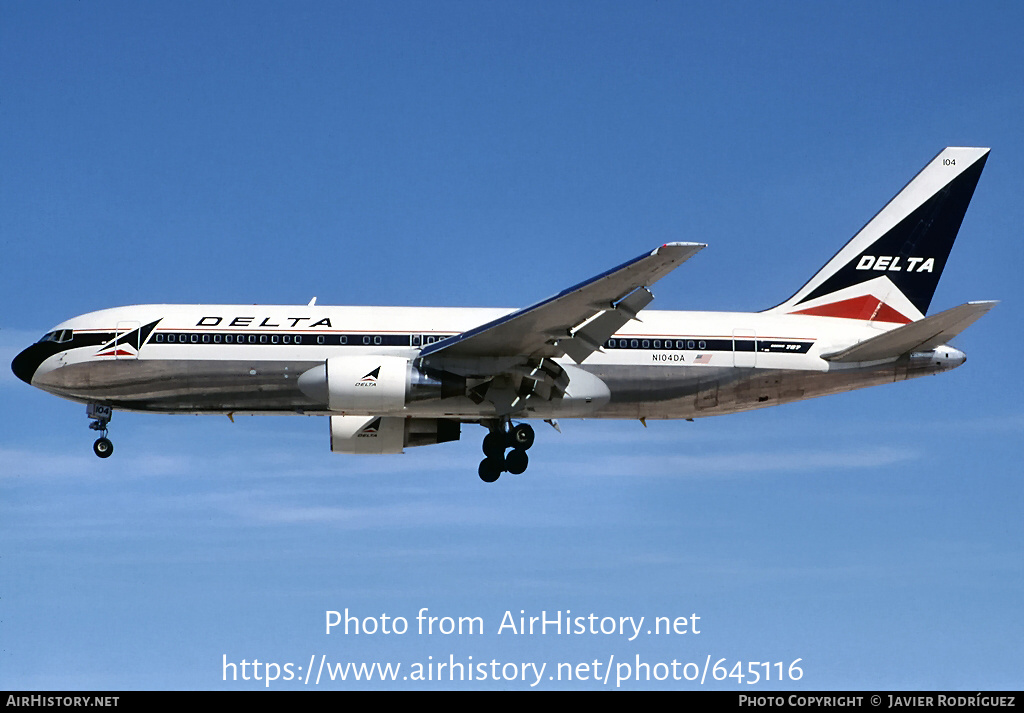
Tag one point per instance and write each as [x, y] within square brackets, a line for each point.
[862, 307]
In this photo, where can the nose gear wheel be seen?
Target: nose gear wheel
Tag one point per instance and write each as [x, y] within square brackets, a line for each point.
[101, 416]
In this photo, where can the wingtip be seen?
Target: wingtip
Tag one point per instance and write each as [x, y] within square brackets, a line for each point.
[680, 246]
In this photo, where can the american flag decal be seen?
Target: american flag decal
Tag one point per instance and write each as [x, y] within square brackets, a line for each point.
[702, 359]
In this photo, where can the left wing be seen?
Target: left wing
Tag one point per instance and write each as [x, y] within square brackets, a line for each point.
[577, 320]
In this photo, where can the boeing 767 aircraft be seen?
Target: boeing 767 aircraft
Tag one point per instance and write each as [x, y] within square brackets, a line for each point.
[395, 377]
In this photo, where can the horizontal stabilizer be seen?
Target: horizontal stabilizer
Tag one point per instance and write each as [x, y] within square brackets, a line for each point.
[921, 335]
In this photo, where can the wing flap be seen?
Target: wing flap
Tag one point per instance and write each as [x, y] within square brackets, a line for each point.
[588, 339]
[921, 335]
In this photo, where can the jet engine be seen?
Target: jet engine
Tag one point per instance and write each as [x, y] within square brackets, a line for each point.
[373, 435]
[376, 384]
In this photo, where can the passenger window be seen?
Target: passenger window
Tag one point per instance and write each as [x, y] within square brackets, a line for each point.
[689, 344]
[320, 340]
[633, 343]
[298, 339]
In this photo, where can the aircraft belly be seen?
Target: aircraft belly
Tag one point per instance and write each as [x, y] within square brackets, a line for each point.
[175, 386]
[661, 392]
[694, 392]
[638, 390]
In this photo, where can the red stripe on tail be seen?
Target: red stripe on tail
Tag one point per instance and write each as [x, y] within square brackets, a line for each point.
[864, 308]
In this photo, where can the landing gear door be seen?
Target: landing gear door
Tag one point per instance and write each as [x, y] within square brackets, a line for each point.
[126, 342]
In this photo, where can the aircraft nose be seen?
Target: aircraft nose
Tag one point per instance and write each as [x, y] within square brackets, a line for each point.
[26, 363]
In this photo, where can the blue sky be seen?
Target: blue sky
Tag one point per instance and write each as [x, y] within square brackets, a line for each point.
[491, 154]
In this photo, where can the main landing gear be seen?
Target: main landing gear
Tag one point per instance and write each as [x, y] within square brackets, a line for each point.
[502, 437]
[101, 417]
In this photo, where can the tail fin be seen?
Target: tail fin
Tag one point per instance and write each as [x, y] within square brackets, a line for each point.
[889, 270]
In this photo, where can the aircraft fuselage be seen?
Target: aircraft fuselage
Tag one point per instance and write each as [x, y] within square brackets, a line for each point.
[246, 359]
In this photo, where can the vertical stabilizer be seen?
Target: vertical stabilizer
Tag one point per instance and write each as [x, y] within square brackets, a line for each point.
[889, 270]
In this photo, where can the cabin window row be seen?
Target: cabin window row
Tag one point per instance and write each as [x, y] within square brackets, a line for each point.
[659, 344]
[369, 340]
[714, 345]
[416, 340]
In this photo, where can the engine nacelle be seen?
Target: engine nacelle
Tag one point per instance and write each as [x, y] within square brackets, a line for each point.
[376, 384]
[376, 435]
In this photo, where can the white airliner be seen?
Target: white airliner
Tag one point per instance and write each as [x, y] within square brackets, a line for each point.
[393, 377]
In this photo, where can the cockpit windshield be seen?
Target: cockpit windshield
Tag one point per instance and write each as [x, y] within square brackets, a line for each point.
[58, 335]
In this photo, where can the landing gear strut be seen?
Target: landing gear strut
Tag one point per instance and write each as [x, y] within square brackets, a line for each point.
[502, 437]
[101, 417]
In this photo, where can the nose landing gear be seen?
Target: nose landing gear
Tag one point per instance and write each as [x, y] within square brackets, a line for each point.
[101, 416]
[502, 437]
